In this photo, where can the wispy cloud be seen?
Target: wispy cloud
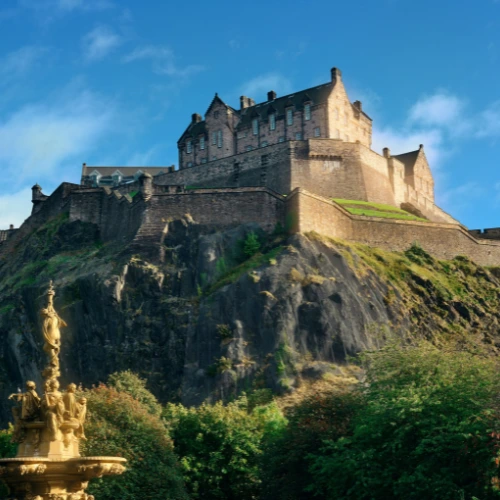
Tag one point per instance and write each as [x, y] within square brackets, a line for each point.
[38, 139]
[257, 87]
[21, 61]
[441, 109]
[163, 61]
[99, 42]
[65, 6]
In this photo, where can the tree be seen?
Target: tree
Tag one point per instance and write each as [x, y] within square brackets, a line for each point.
[251, 245]
[428, 429]
[219, 446]
[121, 425]
[321, 414]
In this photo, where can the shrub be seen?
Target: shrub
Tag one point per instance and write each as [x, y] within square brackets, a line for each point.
[251, 245]
[219, 447]
[120, 425]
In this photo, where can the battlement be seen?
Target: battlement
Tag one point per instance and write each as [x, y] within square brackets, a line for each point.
[486, 234]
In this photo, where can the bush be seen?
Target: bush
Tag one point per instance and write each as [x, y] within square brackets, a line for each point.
[219, 447]
[251, 245]
[7, 450]
[121, 425]
[428, 429]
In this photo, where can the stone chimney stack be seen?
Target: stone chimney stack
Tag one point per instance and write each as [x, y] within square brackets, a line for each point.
[271, 95]
[11, 227]
[246, 102]
[358, 105]
[146, 185]
[195, 118]
[387, 152]
[336, 74]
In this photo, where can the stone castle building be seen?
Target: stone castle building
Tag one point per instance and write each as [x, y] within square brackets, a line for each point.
[282, 161]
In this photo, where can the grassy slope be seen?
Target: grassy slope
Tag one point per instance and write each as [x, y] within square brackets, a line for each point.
[357, 207]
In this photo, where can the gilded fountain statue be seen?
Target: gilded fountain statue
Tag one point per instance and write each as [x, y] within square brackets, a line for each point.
[48, 430]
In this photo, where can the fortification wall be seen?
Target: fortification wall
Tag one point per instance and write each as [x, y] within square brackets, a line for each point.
[445, 241]
[268, 166]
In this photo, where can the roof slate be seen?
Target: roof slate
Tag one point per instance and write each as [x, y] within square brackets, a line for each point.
[126, 171]
[408, 159]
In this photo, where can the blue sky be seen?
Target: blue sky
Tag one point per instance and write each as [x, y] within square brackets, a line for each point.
[111, 82]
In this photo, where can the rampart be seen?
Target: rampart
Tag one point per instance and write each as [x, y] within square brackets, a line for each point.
[445, 241]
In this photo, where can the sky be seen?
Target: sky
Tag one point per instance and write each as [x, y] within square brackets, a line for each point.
[114, 82]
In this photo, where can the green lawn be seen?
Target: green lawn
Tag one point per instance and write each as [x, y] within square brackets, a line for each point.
[358, 207]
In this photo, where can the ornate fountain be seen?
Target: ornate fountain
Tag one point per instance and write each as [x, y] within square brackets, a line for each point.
[48, 430]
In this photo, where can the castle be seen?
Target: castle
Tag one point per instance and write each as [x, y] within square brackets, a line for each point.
[286, 159]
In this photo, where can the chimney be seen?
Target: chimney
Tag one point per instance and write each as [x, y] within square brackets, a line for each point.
[336, 74]
[387, 152]
[11, 227]
[195, 118]
[246, 102]
[271, 95]
[358, 105]
[421, 147]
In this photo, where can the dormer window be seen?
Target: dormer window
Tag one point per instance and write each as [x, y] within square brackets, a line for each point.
[307, 111]
[95, 177]
[255, 126]
[272, 121]
[202, 142]
[189, 146]
[117, 177]
[289, 116]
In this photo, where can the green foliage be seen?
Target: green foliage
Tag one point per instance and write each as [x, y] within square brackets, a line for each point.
[358, 207]
[428, 428]
[219, 446]
[135, 386]
[120, 425]
[321, 414]
[221, 266]
[418, 255]
[252, 244]
[7, 450]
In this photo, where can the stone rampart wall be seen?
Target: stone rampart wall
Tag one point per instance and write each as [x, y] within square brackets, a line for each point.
[445, 241]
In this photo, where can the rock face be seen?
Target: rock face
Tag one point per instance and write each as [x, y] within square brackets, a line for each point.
[202, 321]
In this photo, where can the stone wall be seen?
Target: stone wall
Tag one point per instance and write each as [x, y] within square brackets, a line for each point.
[445, 241]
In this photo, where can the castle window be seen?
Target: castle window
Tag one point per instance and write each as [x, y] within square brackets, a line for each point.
[289, 116]
[189, 147]
[272, 121]
[190, 164]
[202, 143]
[214, 138]
[242, 135]
[307, 111]
[317, 132]
[347, 138]
[336, 113]
[203, 160]
[255, 126]
[214, 158]
[337, 133]
[281, 139]
[216, 114]
[249, 148]
[298, 136]
[345, 119]
[263, 144]
[219, 138]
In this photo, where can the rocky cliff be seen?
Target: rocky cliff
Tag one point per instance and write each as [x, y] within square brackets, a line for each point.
[204, 320]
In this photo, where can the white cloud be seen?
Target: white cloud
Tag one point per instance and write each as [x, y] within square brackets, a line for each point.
[258, 87]
[38, 139]
[66, 6]
[99, 43]
[404, 140]
[163, 60]
[489, 122]
[15, 208]
[440, 109]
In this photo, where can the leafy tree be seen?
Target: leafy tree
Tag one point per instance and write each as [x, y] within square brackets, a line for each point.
[219, 446]
[121, 425]
[321, 414]
[132, 384]
[428, 429]
[251, 245]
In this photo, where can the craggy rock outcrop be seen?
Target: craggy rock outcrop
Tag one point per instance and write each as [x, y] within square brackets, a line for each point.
[204, 321]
